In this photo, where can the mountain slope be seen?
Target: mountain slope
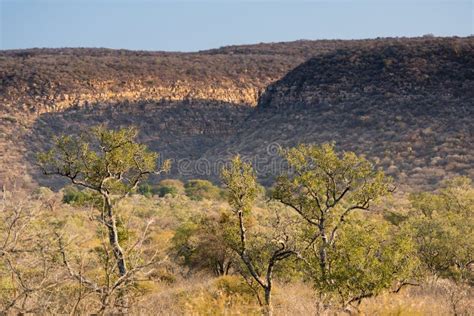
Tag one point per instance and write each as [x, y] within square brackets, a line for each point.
[408, 106]
[407, 103]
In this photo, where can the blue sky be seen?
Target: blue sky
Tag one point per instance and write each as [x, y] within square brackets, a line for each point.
[195, 25]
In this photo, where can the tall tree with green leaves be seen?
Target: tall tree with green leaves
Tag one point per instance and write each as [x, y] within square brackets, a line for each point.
[242, 191]
[325, 188]
[109, 162]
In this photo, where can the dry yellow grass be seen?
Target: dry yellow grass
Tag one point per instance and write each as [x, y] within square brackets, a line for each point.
[200, 296]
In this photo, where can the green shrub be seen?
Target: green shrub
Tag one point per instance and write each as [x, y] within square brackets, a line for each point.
[170, 187]
[232, 285]
[74, 196]
[146, 189]
[441, 224]
[202, 189]
[165, 187]
[164, 190]
[177, 185]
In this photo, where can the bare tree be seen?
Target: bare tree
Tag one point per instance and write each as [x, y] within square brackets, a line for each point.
[26, 256]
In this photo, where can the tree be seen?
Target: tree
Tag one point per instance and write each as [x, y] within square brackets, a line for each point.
[109, 163]
[243, 188]
[324, 188]
[171, 187]
[442, 225]
[370, 256]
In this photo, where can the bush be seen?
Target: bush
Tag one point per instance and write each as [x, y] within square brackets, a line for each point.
[170, 186]
[200, 243]
[371, 257]
[232, 285]
[441, 224]
[202, 189]
[146, 189]
[165, 187]
[74, 196]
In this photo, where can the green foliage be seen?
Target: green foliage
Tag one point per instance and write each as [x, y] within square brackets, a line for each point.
[166, 190]
[202, 243]
[442, 225]
[234, 286]
[349, 259]
[323, 180]
[76, 197]
[202, 189]
[170, 187]
[183, 241]
[241, 183]
[370, 256]
[145, 189]
[104, 159]
[173, 183]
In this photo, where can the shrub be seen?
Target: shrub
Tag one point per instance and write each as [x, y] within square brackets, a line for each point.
[232, 285]
[168, 186]
[172, 187]
[145, 189]
[75, 196]
[202, 189]
[441, 224]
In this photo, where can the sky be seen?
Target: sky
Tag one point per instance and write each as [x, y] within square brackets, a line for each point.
[196, 25]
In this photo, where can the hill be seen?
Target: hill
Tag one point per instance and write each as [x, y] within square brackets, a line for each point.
[405, 102]
[407, 105]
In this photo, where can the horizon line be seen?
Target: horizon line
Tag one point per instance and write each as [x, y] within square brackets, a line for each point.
[427, 36]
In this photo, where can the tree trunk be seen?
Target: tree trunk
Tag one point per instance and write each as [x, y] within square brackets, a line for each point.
[323, 249]
[322, 259]
[268, 309]
[113, 236]
[117, 250]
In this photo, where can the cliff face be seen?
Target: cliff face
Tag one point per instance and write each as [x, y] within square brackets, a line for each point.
[50, 80]
[407, 103]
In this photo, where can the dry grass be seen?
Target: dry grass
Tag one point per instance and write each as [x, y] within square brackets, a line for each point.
[200, 295]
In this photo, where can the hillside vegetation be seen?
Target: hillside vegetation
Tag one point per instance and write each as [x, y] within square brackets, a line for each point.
[409, 106]
[406, 102]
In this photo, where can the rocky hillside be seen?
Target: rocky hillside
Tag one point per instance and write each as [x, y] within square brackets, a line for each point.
[398, 71]
[36, 81]
[405, 102]
[409, 106]
[49, 80]
[47, 91]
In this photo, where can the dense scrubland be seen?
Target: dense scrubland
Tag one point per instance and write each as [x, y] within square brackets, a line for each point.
[331, 235]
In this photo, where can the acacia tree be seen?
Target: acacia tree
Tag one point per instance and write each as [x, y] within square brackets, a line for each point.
[111, 164]
[243, 189]
[325, 188]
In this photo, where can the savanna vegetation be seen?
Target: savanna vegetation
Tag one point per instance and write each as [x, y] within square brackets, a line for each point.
[332, 235]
